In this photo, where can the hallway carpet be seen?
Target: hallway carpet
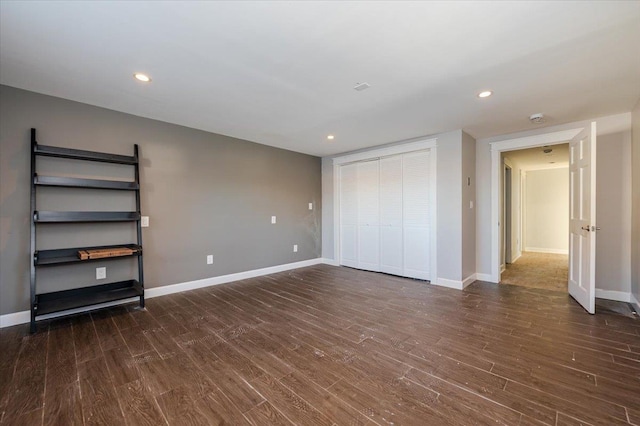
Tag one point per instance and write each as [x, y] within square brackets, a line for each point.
[538, 270]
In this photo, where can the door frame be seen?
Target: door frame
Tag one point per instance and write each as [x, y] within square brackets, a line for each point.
[430, 144]
[551, 138]
[507, 216]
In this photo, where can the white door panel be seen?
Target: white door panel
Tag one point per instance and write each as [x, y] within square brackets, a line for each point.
[385, 215]
[582, 210]
[349, 215]
[391, 250]
[349, 245]
[416, 252]
[368, 193]
[368, 215]
[369, 248]
[391, 215]
[416, 214]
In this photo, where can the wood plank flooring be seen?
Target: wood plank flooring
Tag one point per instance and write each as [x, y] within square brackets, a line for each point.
[323, 346]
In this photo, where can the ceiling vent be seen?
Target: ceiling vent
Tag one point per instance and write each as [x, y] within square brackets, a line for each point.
[537, 118]
[361, 86]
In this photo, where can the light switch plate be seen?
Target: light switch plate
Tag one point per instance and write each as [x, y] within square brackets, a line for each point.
[273, 219]
[144, 221]
[310, 206]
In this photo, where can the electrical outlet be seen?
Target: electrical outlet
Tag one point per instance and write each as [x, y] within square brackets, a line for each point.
[470, 204]
[101, 273]
[144, 221]
[273, 219]
[295, 248]
[209, 259]
[310, 206]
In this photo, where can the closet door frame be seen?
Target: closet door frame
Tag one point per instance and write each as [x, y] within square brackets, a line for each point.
[418, 145]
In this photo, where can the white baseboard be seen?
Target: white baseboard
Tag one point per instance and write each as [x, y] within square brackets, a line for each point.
[470, 279]
[327, 261]
[546, 250]
[483, 277]
[455, 284]
[443, 282]
[518, 256]
[24, 317]
[15, 318]
[618, 296]
[223, 279]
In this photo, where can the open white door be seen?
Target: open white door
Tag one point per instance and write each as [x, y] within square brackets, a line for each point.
[582, 243]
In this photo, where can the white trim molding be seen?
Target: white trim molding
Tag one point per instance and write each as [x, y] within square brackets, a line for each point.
[469, 280]
[24, 317]
[455, 284]
[546, 250]
[444, 282]
[386, 151]
[618, 296]
[483, 277]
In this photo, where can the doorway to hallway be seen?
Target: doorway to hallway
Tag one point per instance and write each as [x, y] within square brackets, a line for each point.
[535, 214]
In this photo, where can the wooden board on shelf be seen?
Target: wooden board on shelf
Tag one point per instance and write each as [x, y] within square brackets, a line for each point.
[102, 253]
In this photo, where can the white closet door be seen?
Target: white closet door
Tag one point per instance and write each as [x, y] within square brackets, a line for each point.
[368, 216]
[391, 257]
[349, 215]
[416, 215]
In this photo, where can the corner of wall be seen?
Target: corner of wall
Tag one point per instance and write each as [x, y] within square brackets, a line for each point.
[635, 206]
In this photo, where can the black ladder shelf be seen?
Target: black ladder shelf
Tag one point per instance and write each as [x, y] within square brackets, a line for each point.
[59, 301]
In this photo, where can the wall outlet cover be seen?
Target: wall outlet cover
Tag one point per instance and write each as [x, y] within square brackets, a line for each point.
[209, 259]
[310, 206]
[101, 273]
[295, 248]
[144, 221]
[273, 219]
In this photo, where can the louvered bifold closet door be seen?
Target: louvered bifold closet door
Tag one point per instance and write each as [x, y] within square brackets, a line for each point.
[368, 215]
[349, 215]
[391, 251]
[416, 174]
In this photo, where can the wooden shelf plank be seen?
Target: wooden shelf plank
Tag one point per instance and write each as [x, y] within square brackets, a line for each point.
[70, 255]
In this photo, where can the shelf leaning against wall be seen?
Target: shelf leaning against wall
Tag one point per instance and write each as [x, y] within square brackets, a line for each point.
[43, 303]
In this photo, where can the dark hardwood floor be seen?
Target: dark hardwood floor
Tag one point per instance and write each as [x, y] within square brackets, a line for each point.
[326, 345]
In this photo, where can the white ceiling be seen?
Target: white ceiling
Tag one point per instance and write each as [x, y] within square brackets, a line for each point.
[536, 158]
[282, 73]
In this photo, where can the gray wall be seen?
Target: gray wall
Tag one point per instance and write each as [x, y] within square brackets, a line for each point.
[468, 212]
[546, 206]
[635, 239]
[204, 193]
[613, 212]
[449, 202]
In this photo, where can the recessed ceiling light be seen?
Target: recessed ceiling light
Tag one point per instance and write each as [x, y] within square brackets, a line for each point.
[142, 77]
[485, 94]
[330, 137]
